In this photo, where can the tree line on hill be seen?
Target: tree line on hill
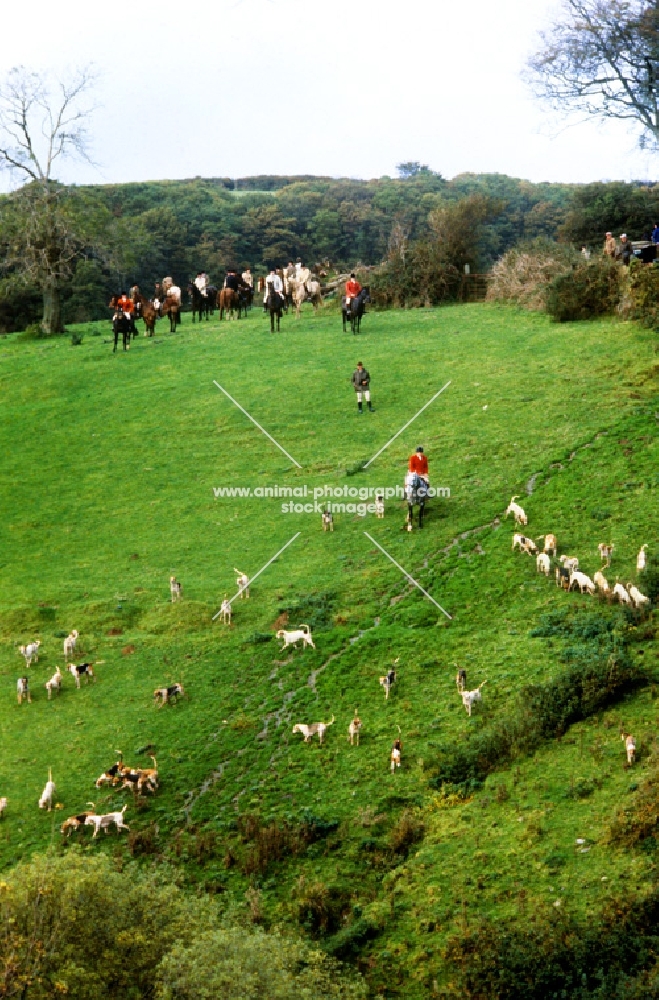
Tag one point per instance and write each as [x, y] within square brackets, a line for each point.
[424, 227]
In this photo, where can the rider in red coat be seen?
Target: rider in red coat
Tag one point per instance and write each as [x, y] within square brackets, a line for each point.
[419, 463]
[353, 288]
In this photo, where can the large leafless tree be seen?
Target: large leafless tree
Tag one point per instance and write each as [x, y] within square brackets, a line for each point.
[601, 58]
[40, 126]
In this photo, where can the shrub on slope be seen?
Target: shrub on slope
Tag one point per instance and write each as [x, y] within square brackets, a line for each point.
[76, 926]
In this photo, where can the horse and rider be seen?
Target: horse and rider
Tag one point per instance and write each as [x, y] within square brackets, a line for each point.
[233, 295]
[417, 485]
[122, 319]
[273, 298]
[201, 296]
[248, 282]
[171, 305]
[353, 303]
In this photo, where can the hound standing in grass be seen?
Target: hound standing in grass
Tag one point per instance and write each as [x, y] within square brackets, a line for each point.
[525, 544]
[168, 694]
[70, 644]
[292, 638]
[622, 595]
[30, 652]
[315, 727]
[630, 746]
[23, 690]
[388, 681]
[353, 729]
[242, 583]
[225, 611]
[469, 698]
[175, 589]
[396, 751]
[379, 505]
[48, 793]
[82, 669]
[75, 823]
[551, 544]
[517, 511]
[105, 822]
[54, 684]
[327, 520]
[542, 563]
[638, 599]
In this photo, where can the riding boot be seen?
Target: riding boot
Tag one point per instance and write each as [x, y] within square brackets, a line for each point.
[359, 408]
[370, 406]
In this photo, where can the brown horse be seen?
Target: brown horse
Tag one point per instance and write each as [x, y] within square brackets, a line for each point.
[171, 307]
[148, 313]
[227, 300]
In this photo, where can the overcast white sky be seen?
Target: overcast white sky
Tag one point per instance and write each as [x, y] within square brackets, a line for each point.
[239, 87]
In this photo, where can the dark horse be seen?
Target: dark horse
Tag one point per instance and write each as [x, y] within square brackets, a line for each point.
[200, 303]
[416, 492]
[275, 305]
[355, 310]
[121, 325]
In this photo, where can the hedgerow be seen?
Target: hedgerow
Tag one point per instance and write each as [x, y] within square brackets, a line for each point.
[600, 672]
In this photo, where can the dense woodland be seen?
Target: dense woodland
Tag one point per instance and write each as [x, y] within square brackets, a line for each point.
[148, 230]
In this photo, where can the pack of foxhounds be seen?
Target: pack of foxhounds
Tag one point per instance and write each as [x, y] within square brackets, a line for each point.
[143, 781]
[569, 577]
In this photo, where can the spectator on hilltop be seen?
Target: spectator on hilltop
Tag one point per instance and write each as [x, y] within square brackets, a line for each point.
[610, 246]
[655, 233]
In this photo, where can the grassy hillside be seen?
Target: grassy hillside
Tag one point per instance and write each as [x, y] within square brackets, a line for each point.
[107, 471]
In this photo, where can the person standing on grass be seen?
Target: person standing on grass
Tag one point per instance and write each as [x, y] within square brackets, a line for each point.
[610, 246]
[361, 381]
[418, 463]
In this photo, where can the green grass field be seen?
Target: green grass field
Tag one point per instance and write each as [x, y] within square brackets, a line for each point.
[108, 466]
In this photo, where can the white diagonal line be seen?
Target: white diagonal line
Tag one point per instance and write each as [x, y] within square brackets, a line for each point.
[253, 578]
[410, 578]
[262, 429]
[408, 423]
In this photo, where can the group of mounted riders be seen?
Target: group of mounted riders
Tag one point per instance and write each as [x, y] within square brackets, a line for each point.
[281, 289]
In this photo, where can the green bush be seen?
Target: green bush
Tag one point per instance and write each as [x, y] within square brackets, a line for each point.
[236, 965]
[649, 578]
[644, 293]
[118, 927]
[591, 288]
[639, 820]
[76, 926]
[33, 331]
[555, 955]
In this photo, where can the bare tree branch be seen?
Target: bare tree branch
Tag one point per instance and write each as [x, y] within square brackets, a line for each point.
[45, 230]
[40, 124]
[601, 58]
